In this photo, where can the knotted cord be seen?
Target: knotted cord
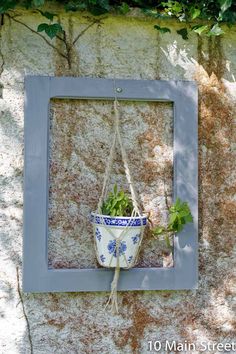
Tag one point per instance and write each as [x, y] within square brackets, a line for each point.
[113, 300]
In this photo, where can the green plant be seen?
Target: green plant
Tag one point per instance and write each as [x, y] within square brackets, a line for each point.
[209, 14]
[179, 216]
[117, 204]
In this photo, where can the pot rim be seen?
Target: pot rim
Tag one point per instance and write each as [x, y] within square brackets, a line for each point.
[93, 213]
[118, 220]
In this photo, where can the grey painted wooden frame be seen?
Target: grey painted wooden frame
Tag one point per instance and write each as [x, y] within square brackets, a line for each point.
[38, 92]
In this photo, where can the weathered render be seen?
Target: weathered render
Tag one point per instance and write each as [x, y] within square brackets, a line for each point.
[116, 47]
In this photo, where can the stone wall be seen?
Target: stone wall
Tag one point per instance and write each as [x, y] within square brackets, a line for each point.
[120, 47]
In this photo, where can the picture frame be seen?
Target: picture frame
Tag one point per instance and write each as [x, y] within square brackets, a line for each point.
[39, 90]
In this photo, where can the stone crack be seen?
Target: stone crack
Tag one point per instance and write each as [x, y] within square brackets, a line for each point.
[24, 312]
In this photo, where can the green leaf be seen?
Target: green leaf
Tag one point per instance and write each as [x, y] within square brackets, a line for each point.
[179, 227]
[183, 32]
[173, 217]
[113, 213]
[104, 4]
[37, 3]
[168, 241]
[47, 14]
[42, 27]
[158, 230]
[50, 30]
[180, 215]
[117, 204]
[229, 16]
[71, 6]
[113, 205]
[225, 4]
[188, 218]
[53, 30]
[162, 29]
[121, 196]
[124, 8]
[216, 30]
[183, 213]
[176, 7]
[177, 204]
[98, 7]
[194, 12]
[151, 12]
[199, 29]
[7, 5]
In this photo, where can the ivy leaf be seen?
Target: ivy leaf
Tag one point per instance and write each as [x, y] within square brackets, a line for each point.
[176, 7]
[71, 6]
[124, 8]
[150, 12]
[53, 30]
[104, 4]
[199, 29]
[98, 7]
[47, 14]
[7, 5]
[42, 27]
[216, 30]
[50, 30]
[37, 3]
[162, 29]
[183, 32]
[225, 4]
[194, 12]
[154, 13]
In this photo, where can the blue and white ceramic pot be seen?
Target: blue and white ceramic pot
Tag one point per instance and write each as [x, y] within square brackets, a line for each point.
[108, 229]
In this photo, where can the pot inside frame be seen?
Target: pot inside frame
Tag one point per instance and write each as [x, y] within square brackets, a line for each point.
[107, 229]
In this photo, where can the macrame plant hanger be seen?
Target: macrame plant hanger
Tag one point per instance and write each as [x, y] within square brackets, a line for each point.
[117, 140]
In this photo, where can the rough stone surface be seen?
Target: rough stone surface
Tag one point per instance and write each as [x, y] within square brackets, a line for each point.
[122, 47]
[81, 134]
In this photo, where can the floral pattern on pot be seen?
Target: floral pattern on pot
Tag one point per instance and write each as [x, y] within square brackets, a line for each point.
[98, 234]
[136, 239]
[112, 247]
[107, 236]
[102, 258]
[130, 259]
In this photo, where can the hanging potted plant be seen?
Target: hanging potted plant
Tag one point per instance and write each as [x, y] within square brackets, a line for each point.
[118, 231]
[118, 223]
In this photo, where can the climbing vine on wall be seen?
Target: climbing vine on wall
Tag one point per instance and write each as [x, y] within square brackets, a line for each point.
[201, 17]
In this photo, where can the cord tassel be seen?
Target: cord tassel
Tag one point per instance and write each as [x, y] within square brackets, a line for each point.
[113, 298]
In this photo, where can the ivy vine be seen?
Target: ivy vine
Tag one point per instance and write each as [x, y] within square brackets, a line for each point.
[202, 17]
